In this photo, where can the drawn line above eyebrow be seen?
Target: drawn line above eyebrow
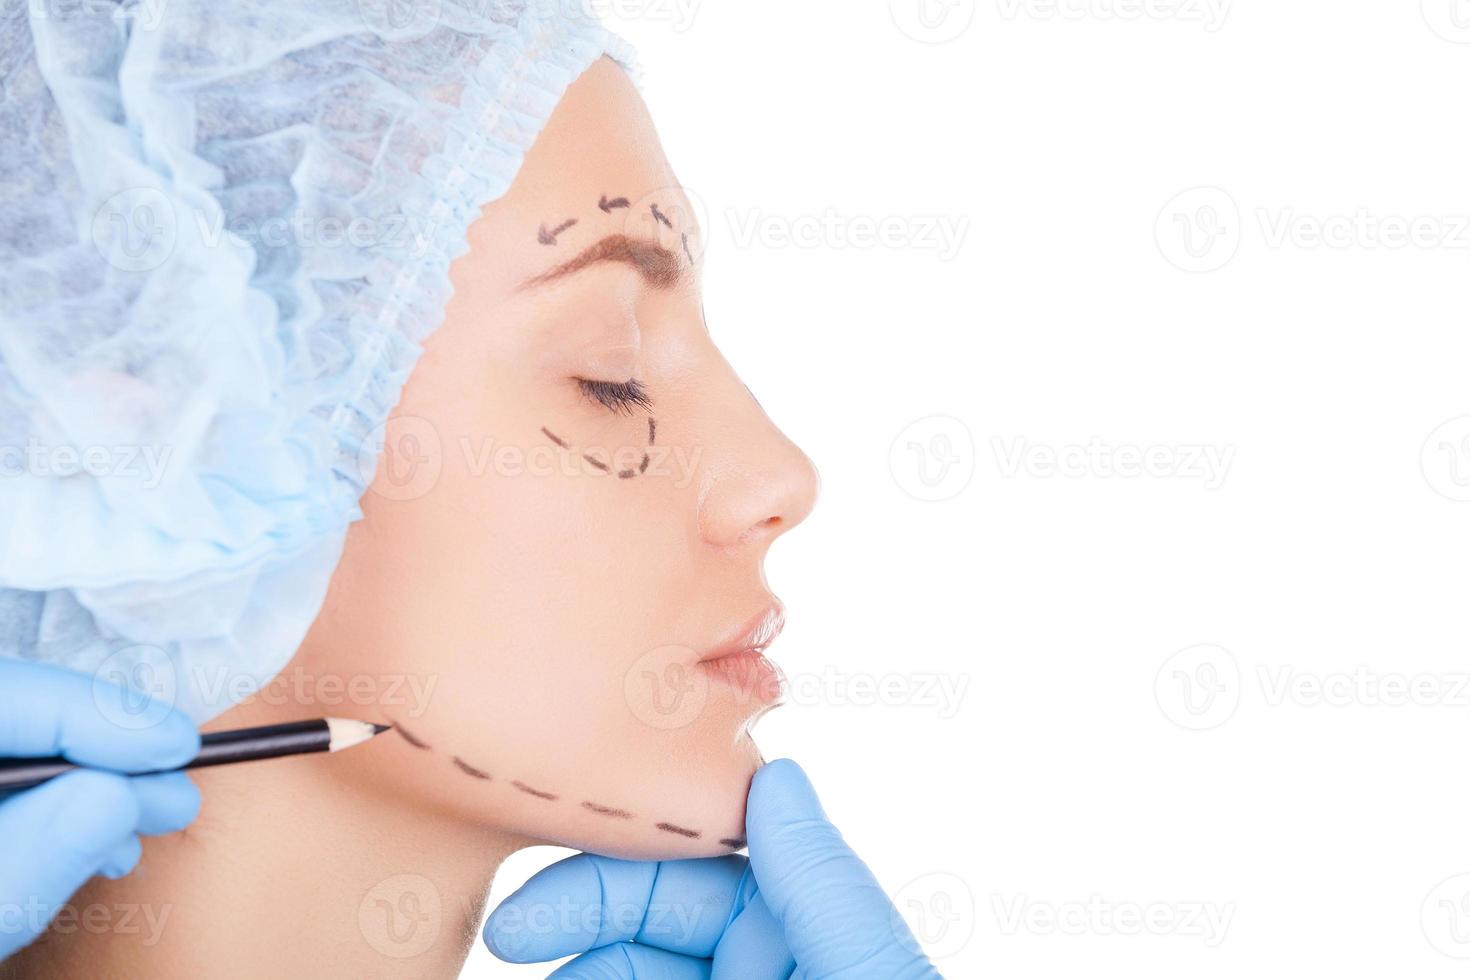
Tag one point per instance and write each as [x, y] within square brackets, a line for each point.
[549, 237]
[470, 770]
[607, 811]
[542, 794]
[659, 267]
[674, 828]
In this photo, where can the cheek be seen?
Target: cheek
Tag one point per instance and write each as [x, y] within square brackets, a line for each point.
[543, 607]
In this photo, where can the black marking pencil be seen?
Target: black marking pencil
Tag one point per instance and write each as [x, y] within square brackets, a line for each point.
[220, 749]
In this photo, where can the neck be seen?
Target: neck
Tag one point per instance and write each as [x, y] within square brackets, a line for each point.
[303, 873]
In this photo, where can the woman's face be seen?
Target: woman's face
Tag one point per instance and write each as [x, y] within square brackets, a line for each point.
[567, 572]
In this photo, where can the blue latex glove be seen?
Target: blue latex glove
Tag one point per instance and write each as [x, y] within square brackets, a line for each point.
[57, 835]
[802, 906]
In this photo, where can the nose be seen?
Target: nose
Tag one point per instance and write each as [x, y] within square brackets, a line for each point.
[758, 483]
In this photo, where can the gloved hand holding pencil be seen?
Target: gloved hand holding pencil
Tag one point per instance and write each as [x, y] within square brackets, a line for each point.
[56, 836]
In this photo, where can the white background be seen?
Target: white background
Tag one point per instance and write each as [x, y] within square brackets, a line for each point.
[1315, 578]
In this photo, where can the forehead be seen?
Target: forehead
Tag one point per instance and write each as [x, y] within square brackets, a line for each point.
[597, 169]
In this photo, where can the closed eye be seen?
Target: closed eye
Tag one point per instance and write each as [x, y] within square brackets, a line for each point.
[616, 396]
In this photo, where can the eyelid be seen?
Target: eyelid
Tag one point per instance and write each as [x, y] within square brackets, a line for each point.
[616, 396]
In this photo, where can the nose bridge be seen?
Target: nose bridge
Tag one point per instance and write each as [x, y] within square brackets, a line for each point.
[758, 482]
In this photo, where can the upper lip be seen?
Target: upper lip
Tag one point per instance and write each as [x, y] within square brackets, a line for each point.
[755, 634]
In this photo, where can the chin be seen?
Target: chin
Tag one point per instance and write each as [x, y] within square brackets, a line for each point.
[689, 809]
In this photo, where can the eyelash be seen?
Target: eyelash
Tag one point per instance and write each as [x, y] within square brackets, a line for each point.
[616, 396]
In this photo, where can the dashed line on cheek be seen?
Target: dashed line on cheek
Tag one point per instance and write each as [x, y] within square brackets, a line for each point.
[674, 828]
[606, 811]
[411, 739]
[469, 770]
[540, 794]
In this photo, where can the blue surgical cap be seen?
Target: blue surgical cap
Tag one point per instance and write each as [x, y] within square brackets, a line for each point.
[225, 230]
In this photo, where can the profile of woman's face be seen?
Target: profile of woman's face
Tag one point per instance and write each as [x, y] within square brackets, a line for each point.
[563, 544]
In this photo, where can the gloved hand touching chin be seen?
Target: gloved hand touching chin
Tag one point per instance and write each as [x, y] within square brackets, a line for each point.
[803, 905]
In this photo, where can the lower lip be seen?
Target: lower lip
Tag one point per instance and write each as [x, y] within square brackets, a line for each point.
[751, 675]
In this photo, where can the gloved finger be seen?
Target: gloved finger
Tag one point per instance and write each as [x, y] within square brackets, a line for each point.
[753, 947]
[47, 710]
[123, 858]
[837, 919]
[62, 833]
[588, 901]
[627, 961]
[166, 803]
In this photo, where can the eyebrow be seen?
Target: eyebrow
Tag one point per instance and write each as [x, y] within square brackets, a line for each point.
[658, 266]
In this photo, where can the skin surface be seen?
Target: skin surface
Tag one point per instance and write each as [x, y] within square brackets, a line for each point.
[509, 603]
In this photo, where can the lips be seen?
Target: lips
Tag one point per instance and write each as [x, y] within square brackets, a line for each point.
[754, 636]
[740, 662]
